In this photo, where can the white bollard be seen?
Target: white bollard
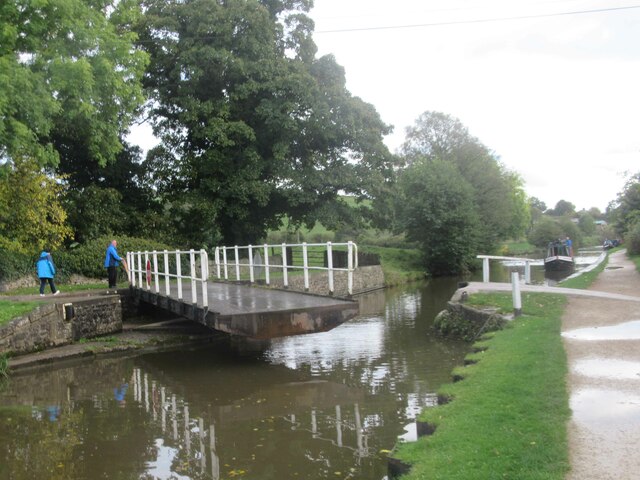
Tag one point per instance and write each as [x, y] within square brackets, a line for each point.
[517, 299]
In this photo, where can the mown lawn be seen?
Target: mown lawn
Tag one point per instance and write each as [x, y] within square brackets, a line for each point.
[507, 417]
[10, 310]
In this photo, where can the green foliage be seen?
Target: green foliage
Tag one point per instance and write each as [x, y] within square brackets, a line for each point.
[498, 195]
[437, 211]
[70, 79]
[563, 208]
[14, 265]
[507, 418]
[626, 212]
[549, 229]
[31, 216]
[453, 325]
[632, 238]
[254, 127]
[400, 265]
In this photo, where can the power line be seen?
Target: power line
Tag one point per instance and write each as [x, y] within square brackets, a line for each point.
[481, 20]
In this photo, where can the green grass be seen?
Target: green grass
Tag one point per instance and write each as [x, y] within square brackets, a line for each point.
[400, 265]
[63, 288]
[636, 259]
[10, 310]
[508, 416]
[515, 248]
[584, 280]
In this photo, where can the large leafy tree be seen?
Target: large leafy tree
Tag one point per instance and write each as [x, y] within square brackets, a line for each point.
[498, 194]
[254, 127]
[437, 211]
[69, 79]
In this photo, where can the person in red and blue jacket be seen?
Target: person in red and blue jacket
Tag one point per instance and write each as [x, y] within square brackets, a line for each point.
[46, 271]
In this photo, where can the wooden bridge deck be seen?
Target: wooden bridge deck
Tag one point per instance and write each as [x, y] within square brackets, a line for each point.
[253, 311]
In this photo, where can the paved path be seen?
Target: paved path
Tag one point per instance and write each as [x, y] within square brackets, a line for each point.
[602, 341]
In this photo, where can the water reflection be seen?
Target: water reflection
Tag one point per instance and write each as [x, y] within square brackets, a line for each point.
[316, 406]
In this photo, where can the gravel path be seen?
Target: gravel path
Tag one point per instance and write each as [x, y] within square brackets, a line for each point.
[602, 341]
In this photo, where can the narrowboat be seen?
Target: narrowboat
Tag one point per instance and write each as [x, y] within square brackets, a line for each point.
[558, 257]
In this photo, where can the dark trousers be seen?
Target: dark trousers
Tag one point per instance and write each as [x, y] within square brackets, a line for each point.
[43, 283]
[112, 272]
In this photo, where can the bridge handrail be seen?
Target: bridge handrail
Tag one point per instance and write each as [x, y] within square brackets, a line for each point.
[485, 265]
[153, 273]
[223, 263]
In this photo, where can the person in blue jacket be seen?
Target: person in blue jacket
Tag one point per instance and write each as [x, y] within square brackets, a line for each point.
[111, 262]
[46, 271]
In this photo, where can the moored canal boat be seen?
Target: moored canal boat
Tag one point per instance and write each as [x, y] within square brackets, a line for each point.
[558, 257]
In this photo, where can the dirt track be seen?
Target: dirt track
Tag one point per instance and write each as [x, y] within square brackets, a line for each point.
[602, 341]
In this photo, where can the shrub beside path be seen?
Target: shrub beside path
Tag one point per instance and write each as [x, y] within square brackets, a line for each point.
[602, 341]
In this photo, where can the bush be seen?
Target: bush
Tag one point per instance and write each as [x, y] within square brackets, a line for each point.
[632, 239]
[16, 265]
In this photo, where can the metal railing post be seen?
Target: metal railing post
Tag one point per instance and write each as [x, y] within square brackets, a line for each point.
[192, 265]
[167, 284]
[285, 279]
[350, 268]
[139, 269]
[266, 264]
[330, 266]
[237, 257]
[146, 262]
[224, 260]
[217, 259]
[485, 270]
[251, 276]
[130, 276]
[204, 267]
[179, 274]
[305, 265]
[155, 271]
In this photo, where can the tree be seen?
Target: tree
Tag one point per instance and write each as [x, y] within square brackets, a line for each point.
[69, 79]
[497, 192]
[437, 210]
[31, 216]
[564, 207]
[626, 208]
[253, 126]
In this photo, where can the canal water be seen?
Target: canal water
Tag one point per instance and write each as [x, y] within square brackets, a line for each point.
[327, 405]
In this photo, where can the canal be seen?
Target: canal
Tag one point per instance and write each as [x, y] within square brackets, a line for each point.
[327, 405]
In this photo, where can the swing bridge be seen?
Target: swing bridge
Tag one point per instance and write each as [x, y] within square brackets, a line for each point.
[246, 290]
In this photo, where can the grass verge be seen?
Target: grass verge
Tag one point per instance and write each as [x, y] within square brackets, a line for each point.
[10, 310]
[636, 259]
[507, 417]
[584, 280]
[400, 265]
[64, 288]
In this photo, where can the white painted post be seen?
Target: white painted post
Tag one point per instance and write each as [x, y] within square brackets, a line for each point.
[305, 266]
[224, 259]
[517, 299]
[350, 268]
[485, 270]
[527, 272]
[179, 274]
[130, 276]
[167, 278]
[217, 257]
[237, 256]
[251, 275]
[285, 278]
[155, 271]
[204, 270]
[330, 266]
[140, 269]
[266, 264]
[146, 261]
[192, 264]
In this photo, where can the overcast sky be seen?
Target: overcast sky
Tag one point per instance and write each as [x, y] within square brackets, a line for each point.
[555, 96]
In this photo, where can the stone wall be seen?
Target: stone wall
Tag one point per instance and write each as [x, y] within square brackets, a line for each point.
[53, 325]
[365, 279]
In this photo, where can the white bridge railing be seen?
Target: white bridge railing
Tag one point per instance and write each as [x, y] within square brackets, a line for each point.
[485, 266]
[147, 269]
[253, 260]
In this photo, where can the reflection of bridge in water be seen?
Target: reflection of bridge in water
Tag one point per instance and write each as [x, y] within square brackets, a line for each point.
[196, 436]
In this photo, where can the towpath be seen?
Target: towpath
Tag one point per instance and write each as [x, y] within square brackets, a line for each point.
[602, 340]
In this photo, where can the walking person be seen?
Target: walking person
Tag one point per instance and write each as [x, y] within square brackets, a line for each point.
[111, 262]
[46, 271]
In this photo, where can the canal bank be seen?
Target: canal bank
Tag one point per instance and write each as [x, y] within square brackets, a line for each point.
[599, 329]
